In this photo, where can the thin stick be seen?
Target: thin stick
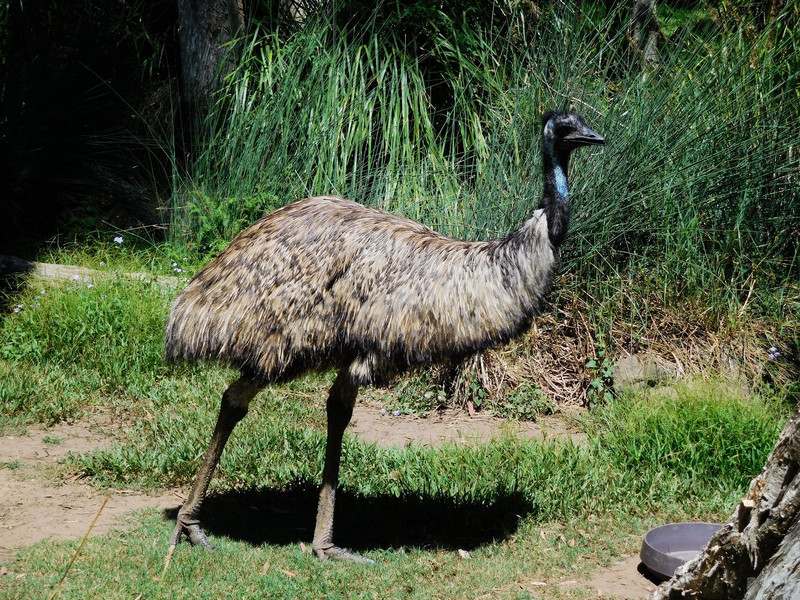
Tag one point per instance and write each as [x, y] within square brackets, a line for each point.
[78, 551]
[167, 560]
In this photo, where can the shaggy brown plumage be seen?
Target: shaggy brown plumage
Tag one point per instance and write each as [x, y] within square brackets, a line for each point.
[325, 282]
[328, 282]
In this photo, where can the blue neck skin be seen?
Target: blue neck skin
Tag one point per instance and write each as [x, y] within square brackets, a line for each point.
[555, 201]
[559, 172]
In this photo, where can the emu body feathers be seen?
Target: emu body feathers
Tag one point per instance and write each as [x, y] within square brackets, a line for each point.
[325, 282]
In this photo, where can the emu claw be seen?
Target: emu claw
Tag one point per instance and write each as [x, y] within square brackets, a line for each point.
[336, 553]
[196, 535]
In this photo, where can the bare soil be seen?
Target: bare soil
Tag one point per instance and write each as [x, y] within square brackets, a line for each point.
[34, 506]
[373, 424]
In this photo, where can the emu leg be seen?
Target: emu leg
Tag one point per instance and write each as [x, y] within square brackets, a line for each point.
[233, 408]
[341, 400]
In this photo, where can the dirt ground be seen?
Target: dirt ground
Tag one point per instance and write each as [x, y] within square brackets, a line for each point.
[33, 507]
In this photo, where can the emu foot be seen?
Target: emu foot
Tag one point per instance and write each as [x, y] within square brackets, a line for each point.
[336, 553]
[192, 530]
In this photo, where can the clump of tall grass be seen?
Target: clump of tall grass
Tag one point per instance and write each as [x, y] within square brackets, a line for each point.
[113, 325]
[705, 433]
[694, 195]
[63, 346]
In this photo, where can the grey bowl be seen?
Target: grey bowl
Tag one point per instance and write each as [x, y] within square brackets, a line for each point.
[666, 548]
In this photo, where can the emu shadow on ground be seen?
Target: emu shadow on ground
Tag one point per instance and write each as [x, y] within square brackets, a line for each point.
[286, 516]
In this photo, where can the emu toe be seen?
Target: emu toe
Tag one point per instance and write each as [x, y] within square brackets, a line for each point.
[336, 553]
[195, 534]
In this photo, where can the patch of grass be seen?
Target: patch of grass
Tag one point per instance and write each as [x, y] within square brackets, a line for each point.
[113, 326]
[673, 18]
[551, 552]
[642, 452]
[417, 393]
[134, 251]
[45, 393]
[707, 433]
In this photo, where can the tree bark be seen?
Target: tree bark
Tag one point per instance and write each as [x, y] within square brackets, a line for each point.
[205, 28]
[756, 555]
[644, 32]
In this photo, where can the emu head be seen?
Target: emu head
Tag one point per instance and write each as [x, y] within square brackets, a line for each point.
[564, 132]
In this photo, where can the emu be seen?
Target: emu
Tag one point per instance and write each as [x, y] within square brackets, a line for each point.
[328, 283]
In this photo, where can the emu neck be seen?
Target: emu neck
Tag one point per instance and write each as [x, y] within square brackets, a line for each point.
[555, 200]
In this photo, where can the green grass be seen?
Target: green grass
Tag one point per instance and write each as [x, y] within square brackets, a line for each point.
[526, 511]
[111, 329]
[686, 452]
[692, 198]
[703, 440]
[241, 570]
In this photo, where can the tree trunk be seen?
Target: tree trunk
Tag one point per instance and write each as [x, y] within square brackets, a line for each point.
[756, 555]
[205, 28]
[644, 32]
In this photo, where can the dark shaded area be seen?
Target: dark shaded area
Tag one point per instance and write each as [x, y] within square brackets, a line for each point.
[13, 272]
[84, 111]
[92, 125]
[647, 574]
[287, 516]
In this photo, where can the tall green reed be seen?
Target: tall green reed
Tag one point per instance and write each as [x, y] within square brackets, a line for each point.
[694, 195]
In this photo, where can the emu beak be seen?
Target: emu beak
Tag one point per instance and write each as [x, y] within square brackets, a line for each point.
[585, 137]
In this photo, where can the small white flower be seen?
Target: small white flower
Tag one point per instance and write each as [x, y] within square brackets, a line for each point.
[90, 286]
[76, 277]
[118, 239]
